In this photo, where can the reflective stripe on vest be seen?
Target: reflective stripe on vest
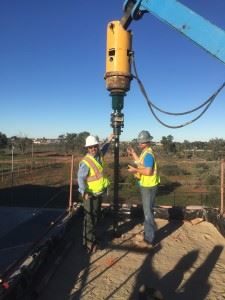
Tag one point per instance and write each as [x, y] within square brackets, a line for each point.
[96, 182]
[97, 174]
[151, 180]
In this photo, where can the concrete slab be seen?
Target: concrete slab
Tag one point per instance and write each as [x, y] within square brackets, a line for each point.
[187, 262]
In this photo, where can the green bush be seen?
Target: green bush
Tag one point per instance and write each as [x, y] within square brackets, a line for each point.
[164, 180]
[212, 179]
[201, 167]
[172, 170]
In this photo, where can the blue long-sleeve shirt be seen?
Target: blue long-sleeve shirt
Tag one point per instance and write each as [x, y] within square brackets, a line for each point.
[84, 169]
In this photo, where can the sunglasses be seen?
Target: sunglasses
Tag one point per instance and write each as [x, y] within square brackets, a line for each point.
[94, 146]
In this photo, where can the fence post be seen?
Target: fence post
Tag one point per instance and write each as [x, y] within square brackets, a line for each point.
[222, 188]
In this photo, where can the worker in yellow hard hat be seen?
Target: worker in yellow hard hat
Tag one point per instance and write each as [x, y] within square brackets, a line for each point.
[147, 174]
[92, 185]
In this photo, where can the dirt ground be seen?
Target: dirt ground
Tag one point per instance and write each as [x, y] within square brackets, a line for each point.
[187, 262]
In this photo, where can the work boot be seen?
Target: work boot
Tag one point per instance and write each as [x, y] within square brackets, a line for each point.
[139, 237]
[92, 247]
[144, 244]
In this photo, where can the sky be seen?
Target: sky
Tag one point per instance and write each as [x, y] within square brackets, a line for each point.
[52, 65]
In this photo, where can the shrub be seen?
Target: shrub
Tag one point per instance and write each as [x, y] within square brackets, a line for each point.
[201, 167]
[211, 180]
[172, 170]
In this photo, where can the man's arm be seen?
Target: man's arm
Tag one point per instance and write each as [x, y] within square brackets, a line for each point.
[81, 177]
[105, 146]
[147, 169]
[149, 163]
[132, 153]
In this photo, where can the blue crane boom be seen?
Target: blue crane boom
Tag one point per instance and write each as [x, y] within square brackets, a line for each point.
[205, 34]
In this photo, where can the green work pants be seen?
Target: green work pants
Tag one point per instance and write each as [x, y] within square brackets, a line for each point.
[92, 214]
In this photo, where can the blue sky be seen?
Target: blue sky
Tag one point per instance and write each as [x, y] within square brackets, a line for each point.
[52, 64]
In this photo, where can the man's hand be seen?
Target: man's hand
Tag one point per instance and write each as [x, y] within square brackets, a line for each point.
[130, 150]
[131, 169]
[86, 196]
[111, 137]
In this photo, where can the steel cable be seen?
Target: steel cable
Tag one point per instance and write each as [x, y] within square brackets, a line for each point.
[151, 105]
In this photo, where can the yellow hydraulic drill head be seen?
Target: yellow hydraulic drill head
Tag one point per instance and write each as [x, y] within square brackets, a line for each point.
[118, 58]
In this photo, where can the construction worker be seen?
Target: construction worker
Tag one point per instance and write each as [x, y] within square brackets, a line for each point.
[92, 186]
[145, 170]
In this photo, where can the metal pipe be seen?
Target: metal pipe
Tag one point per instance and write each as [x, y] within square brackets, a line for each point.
[117, 123]
[116, 184]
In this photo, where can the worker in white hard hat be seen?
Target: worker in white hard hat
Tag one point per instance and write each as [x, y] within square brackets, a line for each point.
[92, 186]
[145, 170]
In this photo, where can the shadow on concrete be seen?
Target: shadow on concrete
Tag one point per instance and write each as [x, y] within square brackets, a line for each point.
[170, 285]
[78, 265]
[166, 230]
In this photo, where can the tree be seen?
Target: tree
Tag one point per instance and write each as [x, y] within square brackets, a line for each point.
[21, 143]
[3, 140]
[70, 141]
[187, 145]
[74, 141]
[217, 146]
[168, 145]
[80, 141]
[61, 138]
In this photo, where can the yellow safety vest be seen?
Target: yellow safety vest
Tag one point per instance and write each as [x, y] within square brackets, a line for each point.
[151, 180]
[96, 182]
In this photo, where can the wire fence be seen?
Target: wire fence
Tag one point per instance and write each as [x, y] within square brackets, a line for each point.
[44, 182]
[129, 194]
[40, 183]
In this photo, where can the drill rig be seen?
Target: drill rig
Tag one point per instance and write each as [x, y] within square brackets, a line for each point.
[118, 77]
[119, 54]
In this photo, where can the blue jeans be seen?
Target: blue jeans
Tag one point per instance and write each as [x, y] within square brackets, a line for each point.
[148, 195]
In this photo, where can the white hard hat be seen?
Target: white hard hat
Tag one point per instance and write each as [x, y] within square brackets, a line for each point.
[91, 141]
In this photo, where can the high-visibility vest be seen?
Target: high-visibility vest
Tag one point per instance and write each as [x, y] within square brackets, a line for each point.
[150, 180]
[96, 182]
